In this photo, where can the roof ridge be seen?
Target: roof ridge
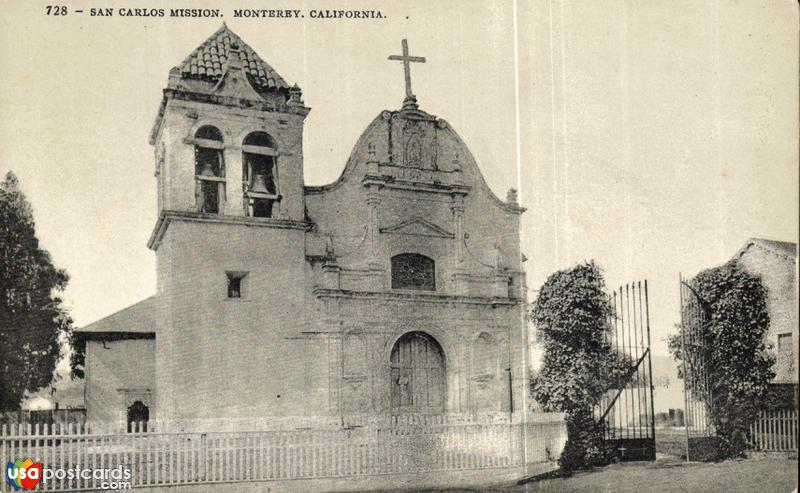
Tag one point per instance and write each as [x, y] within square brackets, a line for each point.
[191, 54]
[775, 247]
[129, 308]
[770, 240]
[243, 46]
[209, 61]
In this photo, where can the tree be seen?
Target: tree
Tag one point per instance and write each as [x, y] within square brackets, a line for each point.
[571, 314]
[737, 366]
[32, 319]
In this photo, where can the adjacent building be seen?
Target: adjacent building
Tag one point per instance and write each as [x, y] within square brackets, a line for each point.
[775, 262]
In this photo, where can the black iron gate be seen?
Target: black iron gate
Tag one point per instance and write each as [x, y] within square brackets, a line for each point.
[701, 437]
[625, 412]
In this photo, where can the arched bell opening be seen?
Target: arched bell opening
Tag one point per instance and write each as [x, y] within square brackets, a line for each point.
[259, 158]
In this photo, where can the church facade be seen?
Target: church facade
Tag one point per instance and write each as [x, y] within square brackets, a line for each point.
[397, 289]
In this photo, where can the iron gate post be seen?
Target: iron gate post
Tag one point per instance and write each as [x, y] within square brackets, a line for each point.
[683, 364]
[650, 363]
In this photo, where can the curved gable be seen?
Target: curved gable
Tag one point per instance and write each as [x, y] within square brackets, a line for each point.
[411, 145]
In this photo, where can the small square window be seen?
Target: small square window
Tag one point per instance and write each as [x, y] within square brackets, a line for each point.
[236, 284]
[784, 342]
[234, 287]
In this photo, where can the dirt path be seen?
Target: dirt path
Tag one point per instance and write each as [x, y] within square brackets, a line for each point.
[670, 475]
[666, 475]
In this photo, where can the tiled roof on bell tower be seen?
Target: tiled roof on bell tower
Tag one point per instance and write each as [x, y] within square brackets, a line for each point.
[209, 61]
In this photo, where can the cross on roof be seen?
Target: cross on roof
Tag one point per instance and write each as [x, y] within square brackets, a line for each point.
[407, 60]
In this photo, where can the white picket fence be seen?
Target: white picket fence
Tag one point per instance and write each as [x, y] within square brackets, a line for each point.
[775, 431]
[176, 458]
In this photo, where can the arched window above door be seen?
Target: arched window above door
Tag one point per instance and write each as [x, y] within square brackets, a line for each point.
[413, 271]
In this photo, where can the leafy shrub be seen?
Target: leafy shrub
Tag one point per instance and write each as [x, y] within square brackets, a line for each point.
[571, 314]
[731, 343]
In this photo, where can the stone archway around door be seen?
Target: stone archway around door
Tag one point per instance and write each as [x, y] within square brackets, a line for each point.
[417, 375]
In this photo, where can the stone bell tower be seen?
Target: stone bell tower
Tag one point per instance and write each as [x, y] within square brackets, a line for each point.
[230, 231]
[229, 135]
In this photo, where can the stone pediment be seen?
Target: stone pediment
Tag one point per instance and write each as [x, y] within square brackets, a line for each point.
[416, 226]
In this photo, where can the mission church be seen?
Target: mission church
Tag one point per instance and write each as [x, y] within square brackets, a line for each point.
[397, 289]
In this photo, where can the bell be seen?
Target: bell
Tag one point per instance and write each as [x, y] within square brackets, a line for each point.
[207, 170]
[259, 184]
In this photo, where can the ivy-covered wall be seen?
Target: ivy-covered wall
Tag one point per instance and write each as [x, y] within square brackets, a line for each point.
[732, 343]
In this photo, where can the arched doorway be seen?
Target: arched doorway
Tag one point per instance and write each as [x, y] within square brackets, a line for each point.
[417, 375]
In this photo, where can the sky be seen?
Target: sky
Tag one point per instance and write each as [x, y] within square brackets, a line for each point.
[653, 137]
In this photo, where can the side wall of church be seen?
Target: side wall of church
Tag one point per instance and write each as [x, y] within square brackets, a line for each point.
[117, 373]
[241, 355]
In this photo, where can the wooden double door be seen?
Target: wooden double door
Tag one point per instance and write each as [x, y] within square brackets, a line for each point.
[417, 375]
